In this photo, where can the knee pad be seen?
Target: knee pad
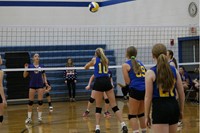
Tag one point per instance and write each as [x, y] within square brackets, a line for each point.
[98, 110]
[40, 103]
[132, 116]
[140, 115]
[1, 118]
[30, 103]
[47, 94]
[115, 109]
[107, 101]
[91, 100]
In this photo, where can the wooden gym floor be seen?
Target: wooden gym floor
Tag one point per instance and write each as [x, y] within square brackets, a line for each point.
[67, 118]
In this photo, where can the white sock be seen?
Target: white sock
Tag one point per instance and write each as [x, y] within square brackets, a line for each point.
[97, 127]
[88, 110]
[39, 114]
[144, 130]
[29, 114]
[123, 124]
[136, 131]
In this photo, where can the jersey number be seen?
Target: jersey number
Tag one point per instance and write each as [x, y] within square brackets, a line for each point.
[166, 94]
[142, 74]
[101, 67]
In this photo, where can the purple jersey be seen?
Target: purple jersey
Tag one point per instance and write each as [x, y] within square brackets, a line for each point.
[36, 80]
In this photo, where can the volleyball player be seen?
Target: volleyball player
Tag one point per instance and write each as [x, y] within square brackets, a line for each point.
[161, 81]
[36, 84]
[2, 95]
[102, 84]
[172, 61]
[134, 76]
[91, 100]
[46, 92]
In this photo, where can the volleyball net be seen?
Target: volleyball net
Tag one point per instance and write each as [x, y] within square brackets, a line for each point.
[55, 44]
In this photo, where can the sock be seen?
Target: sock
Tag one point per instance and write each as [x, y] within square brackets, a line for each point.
[123, 124]
[50, 104]
[88, 110]
[39, 114]
[29, 114]
[97, 127]
[136, 131]
[144, 130]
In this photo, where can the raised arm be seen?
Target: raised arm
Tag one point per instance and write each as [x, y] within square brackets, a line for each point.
[25, 74]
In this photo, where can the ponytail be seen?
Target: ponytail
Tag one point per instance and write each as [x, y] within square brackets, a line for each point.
[175, 62]
[164, 72]
[136, 66]
[102, 56]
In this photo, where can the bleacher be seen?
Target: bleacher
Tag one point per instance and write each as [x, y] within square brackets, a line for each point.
[56, 56]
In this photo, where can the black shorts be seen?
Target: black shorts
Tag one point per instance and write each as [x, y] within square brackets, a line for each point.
[36, 88]
[1, 101]
[102, 84]
[136, 94]
[165, 111]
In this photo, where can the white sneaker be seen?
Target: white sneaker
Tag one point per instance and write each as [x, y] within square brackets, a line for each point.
[40, 119]
[28, 121]
[180, 123]
[50, 109]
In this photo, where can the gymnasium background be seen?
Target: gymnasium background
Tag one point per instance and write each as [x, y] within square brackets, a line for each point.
[118, 24]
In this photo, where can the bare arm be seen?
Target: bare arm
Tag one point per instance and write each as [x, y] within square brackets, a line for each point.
[90, 64]
[180, 90]
[149, 79]
[45, 78]
[91, 79]
[89, 83]
[125, 69]
[48, 88]
[1, 62]
[25, 74]
[195, 81]
[1, 87]
[111, 80]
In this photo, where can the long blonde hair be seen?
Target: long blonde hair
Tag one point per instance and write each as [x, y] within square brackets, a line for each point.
[100, 53]
[164, 77]
[131, 53]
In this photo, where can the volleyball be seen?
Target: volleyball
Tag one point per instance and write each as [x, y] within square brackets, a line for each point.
[93, 7]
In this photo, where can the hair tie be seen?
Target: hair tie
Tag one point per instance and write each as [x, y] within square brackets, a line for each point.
[132, 57]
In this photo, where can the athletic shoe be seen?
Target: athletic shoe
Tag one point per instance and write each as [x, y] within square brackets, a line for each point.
[98, 131]
[125, 98]
[70, 99]
[50, 109]
[40, 119]
[180, 123]
[124, 129]
[85, 114]
[107, 114]
[73, 100]
[28, 121]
